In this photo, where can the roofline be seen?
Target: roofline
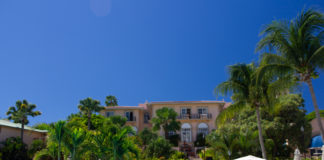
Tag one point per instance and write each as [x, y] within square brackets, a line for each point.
[123, 107]
[188, 102]
[18, 126]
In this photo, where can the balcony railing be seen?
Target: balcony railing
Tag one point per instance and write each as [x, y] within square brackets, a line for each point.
[131, 119]
[195, 116]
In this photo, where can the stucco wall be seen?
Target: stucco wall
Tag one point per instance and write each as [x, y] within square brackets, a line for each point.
[29, 136]
[213, 108]
[315, 127]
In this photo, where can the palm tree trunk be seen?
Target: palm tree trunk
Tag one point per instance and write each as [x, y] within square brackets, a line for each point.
[22, 131]
[318, 116]
[89, 120]
[59, 152]
[264, 154]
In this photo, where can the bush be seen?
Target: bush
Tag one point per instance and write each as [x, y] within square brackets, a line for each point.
[13, 149]
[36, 146]
[174, 139]
[159, 148]
[200, 140]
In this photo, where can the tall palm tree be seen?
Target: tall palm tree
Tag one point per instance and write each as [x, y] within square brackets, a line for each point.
[88, 106]
[111, 101]
[248, 92]
[20, 113]
[297, 47]
[57, 133]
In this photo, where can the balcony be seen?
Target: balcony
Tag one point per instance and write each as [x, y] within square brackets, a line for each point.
[195, 116]
[131, 119]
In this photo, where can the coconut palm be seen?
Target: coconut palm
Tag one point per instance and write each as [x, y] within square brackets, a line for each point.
[114, 142]
[248, 92]
[166, 118]
[111, 101]
[88, 106]
[20, 113]
[73, 140]
[57, 133]
[297, 49]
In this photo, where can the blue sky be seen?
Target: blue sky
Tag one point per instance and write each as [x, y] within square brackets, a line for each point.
[55, 53]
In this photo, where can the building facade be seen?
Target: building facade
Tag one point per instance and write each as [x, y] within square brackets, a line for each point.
[9, 129]
[195, 116]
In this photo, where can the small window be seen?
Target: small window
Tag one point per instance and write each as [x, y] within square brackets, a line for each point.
[185, 110]
[108, 114]
[129, 115]
[146, 117]
[202, 110]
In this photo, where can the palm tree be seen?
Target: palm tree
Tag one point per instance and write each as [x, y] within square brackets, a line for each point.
[20, 113]
[111, 101]
[297, 47]
[57, 133]
[73, 140]
[167, 119]
[224, 145]
[113, 142]
[248, 92]
[88, 106]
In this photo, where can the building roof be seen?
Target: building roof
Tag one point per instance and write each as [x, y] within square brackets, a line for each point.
[124, 107]
[144, 106]
[187, 102]
[7, 123]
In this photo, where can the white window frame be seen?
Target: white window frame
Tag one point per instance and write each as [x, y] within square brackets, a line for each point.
[204, 110]
[108, 114]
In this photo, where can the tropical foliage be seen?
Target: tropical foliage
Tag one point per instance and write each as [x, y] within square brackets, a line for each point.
[89, 106]
[166, 119]
[20, 112]
[238, 137]
[295, 48]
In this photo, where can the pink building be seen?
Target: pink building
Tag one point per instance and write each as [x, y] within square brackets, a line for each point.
[9, 129]
[195, 116]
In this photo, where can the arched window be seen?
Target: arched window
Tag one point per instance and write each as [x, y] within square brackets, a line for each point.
[186, 132]
[203, 129]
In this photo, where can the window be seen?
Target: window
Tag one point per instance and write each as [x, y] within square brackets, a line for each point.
[110, 113]
[185, 110]
[171, 133]
[146, 117]
[203, 129]
[186, 132]
[129, 116]
[202, 110]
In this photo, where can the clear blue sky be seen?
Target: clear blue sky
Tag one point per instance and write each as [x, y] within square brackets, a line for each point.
[55, 52]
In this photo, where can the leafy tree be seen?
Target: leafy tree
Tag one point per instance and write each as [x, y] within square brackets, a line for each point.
[147, 136]
[49, 153]
[158, 148]
[36, 146]
[298, 50]
[42, 126]
[111, 101]
[57, 134]
[312, 115]
[88, 106]
[13, 149]
[283, 122]
[166, 118]
[119, 120]
[114, 142]
[248, 92]
[20, 113]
